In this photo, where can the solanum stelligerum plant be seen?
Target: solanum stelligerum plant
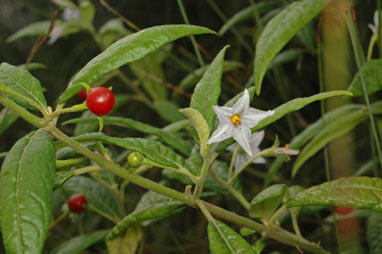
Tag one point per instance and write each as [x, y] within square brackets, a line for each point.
[208, 149]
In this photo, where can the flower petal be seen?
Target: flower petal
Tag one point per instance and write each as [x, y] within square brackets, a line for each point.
[256, 139]
[242, 103]
[232, 147]
[224, 114]
[251, 120]
[372, 28]
[223, 131]
[259, 160]
[242, 135]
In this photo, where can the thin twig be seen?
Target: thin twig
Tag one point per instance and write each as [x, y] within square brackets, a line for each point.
[112, 10]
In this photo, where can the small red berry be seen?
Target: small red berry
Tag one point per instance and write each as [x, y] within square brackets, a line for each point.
[100, 100]
[82, 94]
[342, 210]
[76, 203]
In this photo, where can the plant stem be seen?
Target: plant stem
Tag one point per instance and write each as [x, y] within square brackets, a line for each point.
[360, 60]
[207, 160]
[233, 158]
[194, 44]
[91, 207]
[232, 190]
[22, 112]
[75, 108]
[86, 170]
[59, 219]
[371, 47]
[69, 162]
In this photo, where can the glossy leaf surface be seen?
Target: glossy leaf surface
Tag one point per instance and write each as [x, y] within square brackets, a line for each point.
[26, 182]
[171, 139]
[207, 91]
[129, 49]
[228, 243]
[279, 30]
[21, 81]
[151, 149]
[152, 206]
[371, 74]
[7, 118]
[355, 192]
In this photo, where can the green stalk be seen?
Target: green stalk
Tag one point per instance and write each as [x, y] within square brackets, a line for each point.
[204, 171]
[69, 162]
[232, 190]
[360, 60]
[86, 170]
[194, 44]
[22, 112]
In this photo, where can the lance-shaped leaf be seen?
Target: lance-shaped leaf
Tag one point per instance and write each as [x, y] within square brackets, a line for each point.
[26, 182]
[374, 236]
[129, 49]
[264, 204]
[302, 138]
[151, 149]
[286, 108]
[280, 30]
[371, 74]
[95, 193]
[80, 243]
[207, 91]
[34, 29]
[356, 192]
[227, 241]
[21, 81]
[171, 139]
[152, 206]
[200, 126]
[332, 130]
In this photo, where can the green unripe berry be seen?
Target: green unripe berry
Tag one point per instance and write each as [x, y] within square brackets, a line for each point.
[135, 159]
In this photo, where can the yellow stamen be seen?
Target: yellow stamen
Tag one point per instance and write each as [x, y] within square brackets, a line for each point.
[236, 119]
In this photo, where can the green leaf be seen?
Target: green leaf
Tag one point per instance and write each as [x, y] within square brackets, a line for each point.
[286, 108]
[7, 118]
[246, 13]
[127, 243]
[200, 126]
[356, 192]
[80, 243]
[191, 79]
[229, 242]
[111, 31]
[21, 81]
[312, 130]
[280, 30]
[32, 30]
[332, 130]
[168, 110]
[374, 233]
[150, 73]
[26, 182]
[264, 204]
[171, 139]
[372, 76]
[126, 50]
[151, 149]
[152, 206]
[207, 91]
[95, 193]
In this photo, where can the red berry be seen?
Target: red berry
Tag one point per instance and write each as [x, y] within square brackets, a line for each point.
[342, 210]
[76, 203]
[82, 94]
[100, 100]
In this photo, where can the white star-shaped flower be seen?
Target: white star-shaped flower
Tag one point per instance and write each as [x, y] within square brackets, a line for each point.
[237, 122]
[374, 27]
[242, 157]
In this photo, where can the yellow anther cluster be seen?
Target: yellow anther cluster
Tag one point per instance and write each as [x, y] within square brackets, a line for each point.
[236, 119]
